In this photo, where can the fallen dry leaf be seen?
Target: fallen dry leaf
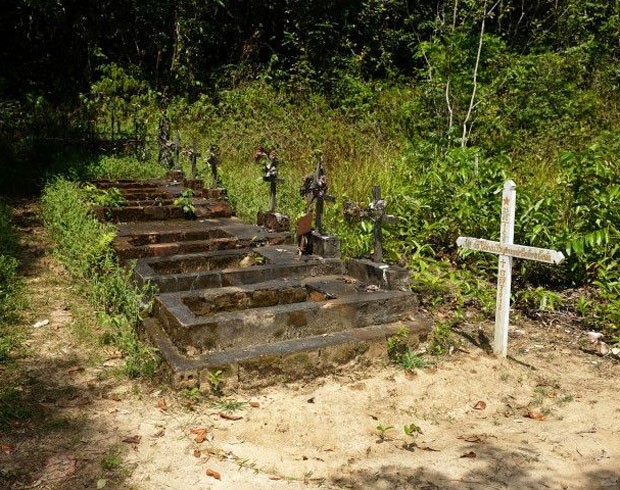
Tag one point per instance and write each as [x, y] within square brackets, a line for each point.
[255, 404]
[7, 448]
[472, 438]
[480, 405]
[133, 439]
[230, 416]
[197, 453]
[73, 402]
[470, 454]
[162, 405]
[201, 434]
[533, 414]
[428, 448]
[214, 474]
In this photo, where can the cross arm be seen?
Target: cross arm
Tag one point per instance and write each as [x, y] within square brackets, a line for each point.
[518, 251]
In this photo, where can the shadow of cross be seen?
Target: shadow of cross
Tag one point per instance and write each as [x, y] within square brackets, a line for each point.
[374, 212]
[506, 250]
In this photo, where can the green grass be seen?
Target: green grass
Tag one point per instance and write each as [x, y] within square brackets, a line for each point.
[11, 286]
[83, 245]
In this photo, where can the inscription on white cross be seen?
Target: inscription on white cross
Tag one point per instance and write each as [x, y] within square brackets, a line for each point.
[506, 250]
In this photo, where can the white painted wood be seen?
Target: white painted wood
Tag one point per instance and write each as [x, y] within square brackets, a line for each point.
[506, 250]
[517, 251]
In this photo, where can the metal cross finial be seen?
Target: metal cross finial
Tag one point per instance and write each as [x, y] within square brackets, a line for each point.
[163, 139]
[213, 160]
[375, 212]
[177, 149]
[271, 161]
[314, 189]
[193, 154]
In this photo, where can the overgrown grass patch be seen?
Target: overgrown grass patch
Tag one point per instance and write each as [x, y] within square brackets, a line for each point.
[11, 286]
[83, 245]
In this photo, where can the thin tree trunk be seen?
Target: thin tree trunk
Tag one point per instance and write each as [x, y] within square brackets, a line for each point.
[450, 111]
[474, 90]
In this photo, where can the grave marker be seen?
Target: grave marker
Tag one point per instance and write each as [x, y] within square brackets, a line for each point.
[213, 160]
[271, 219]
[163, 138]
[506, 250]
[314, 189]
[375, 212]
[193, 154]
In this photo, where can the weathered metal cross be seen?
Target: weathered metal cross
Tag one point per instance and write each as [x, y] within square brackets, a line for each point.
[271, 159]
[314, 189]
[213, 160]
[375, 212]
[193, 154]
[506, 250]
[177, 149]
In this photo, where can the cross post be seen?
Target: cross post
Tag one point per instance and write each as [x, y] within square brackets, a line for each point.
[315, 189]
[375, 212]
[177, 149]
[271, 159]
[506, 249]
[213, 161]
[193, 157]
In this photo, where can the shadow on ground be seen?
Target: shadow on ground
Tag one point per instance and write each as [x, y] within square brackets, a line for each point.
[50, 434]
[491, 468]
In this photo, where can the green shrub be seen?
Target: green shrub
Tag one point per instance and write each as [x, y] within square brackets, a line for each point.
[10, 285]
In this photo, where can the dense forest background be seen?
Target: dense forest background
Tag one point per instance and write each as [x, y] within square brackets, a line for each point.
[437, 101]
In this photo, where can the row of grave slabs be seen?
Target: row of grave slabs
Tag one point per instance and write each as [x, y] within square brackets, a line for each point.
[242, 299]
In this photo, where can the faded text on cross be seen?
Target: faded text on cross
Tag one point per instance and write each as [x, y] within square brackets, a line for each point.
[506, 250]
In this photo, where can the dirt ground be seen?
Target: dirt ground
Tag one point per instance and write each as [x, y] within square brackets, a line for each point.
[547, 417]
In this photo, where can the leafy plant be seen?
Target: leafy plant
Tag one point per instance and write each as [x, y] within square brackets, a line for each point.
[442, 338]
[382, 431]
[216, 381]
[186, 202]
[230, 405]
[412, 430]
[112, 197]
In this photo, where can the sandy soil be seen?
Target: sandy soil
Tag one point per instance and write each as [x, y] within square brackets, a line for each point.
[548, 417]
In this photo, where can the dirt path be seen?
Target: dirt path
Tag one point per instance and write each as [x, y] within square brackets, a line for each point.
[83, 426]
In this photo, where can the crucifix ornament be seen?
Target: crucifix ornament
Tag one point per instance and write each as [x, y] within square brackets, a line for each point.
[506, 249]
[374, 212]
[271, 160]
[314, 189]
[193, 155]
[213, 160]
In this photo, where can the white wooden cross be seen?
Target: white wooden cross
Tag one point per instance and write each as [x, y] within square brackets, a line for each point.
[506, 250]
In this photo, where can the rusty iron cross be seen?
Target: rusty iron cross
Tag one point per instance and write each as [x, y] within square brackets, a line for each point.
[271, 160]
[213, 160]
[193, 155]
[314, 189]
[506, 250]
[374, 212]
